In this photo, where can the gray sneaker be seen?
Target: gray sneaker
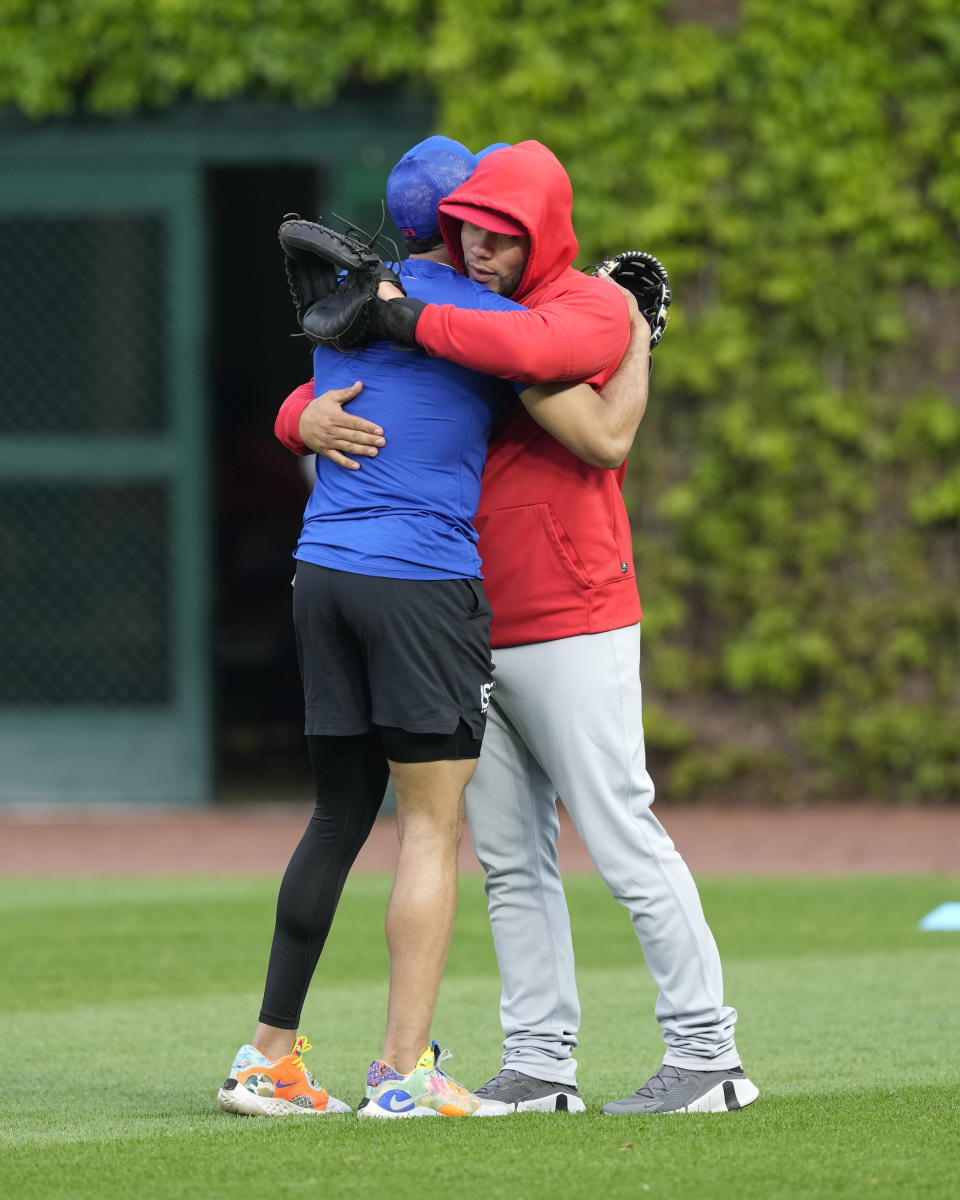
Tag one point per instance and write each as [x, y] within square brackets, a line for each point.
[512, 1092]
[679, 1089]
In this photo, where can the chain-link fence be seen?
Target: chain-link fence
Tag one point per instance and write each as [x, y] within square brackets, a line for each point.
[85, 542]
[82, 329]
[85, 594]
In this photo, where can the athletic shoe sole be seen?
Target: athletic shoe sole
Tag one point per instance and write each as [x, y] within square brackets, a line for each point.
[728, 1096]
[555, 1102]
[369, 1108]
[238, 1100]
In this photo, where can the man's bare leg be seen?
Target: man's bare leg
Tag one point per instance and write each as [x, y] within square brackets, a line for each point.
[274, 1043]
[423, 903]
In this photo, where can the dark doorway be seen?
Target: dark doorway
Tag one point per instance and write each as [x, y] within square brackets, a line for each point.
[258, 489]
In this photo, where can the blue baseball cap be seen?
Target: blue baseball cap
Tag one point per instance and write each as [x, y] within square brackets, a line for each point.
[425, 175]
[490, 149]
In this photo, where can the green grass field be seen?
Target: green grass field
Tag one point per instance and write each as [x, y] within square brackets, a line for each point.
[123, 1001]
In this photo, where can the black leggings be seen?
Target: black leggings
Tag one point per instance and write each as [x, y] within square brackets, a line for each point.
[351, 776]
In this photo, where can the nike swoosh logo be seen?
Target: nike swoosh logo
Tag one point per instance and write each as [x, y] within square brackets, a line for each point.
[290, 1084]
[398, 1101]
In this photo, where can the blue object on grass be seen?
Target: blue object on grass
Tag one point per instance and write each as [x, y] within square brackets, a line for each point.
[944, 916]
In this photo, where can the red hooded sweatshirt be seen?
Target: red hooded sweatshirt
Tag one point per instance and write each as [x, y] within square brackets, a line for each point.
[554, 536]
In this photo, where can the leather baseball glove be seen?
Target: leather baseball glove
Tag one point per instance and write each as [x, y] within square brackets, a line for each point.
[647, 278]
[333, 280]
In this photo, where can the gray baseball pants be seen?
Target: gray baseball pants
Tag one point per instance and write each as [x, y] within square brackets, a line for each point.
[565, 717]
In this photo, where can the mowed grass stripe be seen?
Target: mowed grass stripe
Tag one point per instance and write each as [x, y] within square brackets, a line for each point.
[90, 941]
[781, 1020]
[875, 1143]
[123, 1031]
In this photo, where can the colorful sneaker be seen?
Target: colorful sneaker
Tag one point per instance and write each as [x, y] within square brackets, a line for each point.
[681, 1089]
[258, 1087]
[425, 1092]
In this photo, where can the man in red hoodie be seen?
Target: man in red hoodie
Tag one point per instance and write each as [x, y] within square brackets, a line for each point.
[565, 715]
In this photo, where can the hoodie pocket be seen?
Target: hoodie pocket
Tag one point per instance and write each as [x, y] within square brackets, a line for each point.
[528, 548]
[563, 547]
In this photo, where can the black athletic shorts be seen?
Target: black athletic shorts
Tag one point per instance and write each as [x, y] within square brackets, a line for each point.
[411, 654]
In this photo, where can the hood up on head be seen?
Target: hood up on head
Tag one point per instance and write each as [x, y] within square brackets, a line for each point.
[519, 186]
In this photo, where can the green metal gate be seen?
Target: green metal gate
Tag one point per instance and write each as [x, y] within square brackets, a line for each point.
[103, 676]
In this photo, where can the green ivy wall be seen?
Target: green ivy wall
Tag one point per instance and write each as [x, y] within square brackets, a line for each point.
[795, 487]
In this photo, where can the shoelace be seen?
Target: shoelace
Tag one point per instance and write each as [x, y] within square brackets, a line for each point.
[506, 1078]
[657, 1084]
[299, 1050]
[440, 1056]
[300, 1047]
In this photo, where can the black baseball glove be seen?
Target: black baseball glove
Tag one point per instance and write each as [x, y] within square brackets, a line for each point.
[333, 280]
[647, 278]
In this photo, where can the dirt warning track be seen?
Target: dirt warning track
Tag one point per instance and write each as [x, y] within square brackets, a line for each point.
[259, 838]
